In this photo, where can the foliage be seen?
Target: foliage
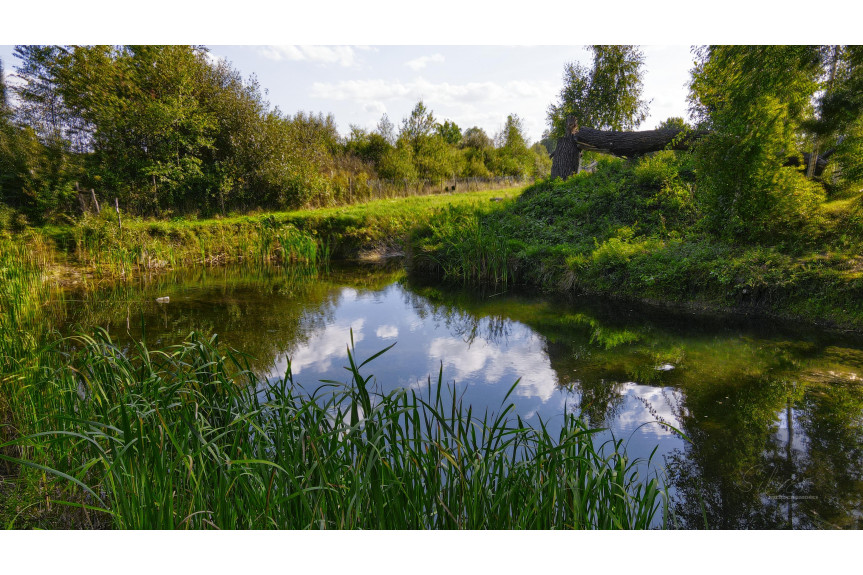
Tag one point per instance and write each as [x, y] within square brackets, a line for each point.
[753, 99]
[606, 96]
[636, 229]
[840, 114]
[450, 132]
[170, 130]
[676, 123]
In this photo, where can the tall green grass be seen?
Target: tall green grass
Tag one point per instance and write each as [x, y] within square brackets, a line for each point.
[22, 291]
[457, 245]
[303, 237]
[99, 244]
[189, 437]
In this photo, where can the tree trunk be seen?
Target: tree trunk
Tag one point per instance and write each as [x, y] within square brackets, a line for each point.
[566, 160]
[632, 143]
[818, 165]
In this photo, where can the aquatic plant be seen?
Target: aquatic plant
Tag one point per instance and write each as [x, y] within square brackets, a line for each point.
[190, 437]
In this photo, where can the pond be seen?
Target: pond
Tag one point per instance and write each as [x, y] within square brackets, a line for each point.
[770, 415]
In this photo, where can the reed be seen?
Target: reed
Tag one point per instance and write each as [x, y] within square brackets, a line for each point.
[457, 245]
[189, 437]
[99, 245]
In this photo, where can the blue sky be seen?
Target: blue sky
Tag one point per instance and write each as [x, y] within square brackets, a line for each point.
[471, 85]
[471, 62]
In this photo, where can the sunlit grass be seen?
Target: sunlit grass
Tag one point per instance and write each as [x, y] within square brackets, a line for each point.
[308, 237]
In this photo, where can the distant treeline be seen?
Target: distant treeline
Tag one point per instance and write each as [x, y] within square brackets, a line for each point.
[171, 130]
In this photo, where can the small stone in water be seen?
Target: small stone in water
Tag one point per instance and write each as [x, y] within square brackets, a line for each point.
[165, 299]
[664, 367]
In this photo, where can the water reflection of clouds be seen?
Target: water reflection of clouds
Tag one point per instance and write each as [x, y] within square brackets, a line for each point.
[646, 405]
[522, 356]
[323, 346]
[387, 332]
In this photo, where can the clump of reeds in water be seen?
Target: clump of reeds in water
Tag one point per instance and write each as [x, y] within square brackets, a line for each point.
[109, 250]
[462, 248]
[189, 437]
[22, 290]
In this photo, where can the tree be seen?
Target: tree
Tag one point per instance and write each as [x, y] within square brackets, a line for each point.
[476, 138]
[418, 126]
[478, 153]
[753, 100]
[541, 161]
[838, 124]
[387, 130]
[673, 123]
[607, 96]
[398, 163]
[450, 132]
[369, 147]
[513, 156]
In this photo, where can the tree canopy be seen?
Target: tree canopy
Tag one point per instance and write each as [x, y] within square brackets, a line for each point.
[167, 129]
[609, 95]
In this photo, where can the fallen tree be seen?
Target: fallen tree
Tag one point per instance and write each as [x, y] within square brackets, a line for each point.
[566, 158]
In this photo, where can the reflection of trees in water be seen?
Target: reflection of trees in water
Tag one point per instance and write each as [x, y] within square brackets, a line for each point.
[261, 314]
[459, 320]
[831, 416]
[784, 457]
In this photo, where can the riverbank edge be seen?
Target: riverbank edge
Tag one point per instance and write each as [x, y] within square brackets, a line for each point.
[90, 254]
[695, 307]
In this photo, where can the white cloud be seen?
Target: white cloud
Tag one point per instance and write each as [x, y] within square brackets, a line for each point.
[441, 92]
[387, 332]
[341, 55]
[375, 107]
[423, 61]
[213, 59]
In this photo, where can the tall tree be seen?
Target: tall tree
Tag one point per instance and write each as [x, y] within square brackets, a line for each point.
[838, 123]
[753, 100]
[514, 158]
[609, 95]
[450, 132]
[387, 130]
[418, 126]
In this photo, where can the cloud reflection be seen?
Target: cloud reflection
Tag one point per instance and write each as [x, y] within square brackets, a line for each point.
[647, 405]
[323, 346]
[387, 332]
[521, 356]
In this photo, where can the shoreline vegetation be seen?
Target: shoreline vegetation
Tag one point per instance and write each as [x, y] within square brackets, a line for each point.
[632, 230]
[763, 215]
[618, 233]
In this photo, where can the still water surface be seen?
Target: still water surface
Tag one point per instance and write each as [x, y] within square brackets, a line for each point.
[772, 414]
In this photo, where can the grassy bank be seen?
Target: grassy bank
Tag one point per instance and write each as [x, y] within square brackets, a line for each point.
[99, 245]
[634, 229]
